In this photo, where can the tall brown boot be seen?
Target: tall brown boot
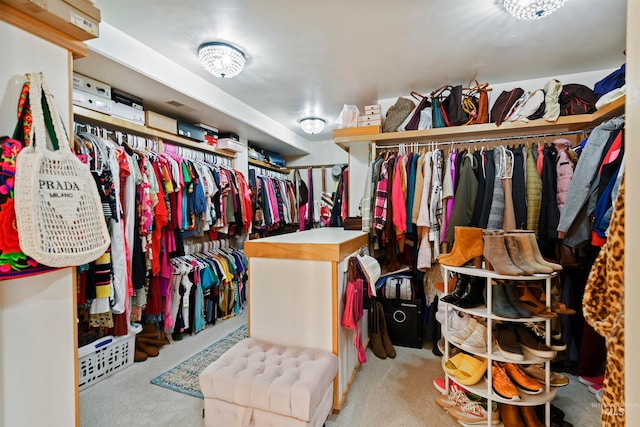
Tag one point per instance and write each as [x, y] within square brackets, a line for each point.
[386, 341]
[496, 257]
[468, 245]
[530, 418]
[526, 253]
[514, 254]
[510, 415]
[150, 350]
[375, 339]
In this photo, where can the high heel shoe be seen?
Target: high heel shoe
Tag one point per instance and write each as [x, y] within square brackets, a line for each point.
[512, 250]
[538, 255]
[461, 286]
[468, 245]
[529, 300]
[556, 306]
[496, 257]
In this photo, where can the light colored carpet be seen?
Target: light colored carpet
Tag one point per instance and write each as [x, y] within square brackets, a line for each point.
[386, 393]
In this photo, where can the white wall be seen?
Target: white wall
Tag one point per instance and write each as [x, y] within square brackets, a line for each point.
[37, 346]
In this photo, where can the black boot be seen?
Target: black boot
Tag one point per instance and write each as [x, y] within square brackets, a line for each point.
[500, 305]
[460, 288]
[472, 297]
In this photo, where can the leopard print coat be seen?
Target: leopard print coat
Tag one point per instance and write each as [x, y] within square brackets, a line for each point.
[603, 308]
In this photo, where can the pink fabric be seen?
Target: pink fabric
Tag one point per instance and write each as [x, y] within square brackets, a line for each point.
[540, 161]
[353, 312]
[398, 201]
[564, 170]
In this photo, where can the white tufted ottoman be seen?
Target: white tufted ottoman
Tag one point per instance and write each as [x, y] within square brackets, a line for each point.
[256, 383]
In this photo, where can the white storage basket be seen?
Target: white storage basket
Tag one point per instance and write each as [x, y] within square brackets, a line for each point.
[103, 358]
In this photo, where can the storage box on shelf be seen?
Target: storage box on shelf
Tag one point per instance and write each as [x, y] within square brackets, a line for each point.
[96, 118]
[484, 387]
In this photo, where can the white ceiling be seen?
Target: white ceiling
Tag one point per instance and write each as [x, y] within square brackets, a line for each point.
[309, 58]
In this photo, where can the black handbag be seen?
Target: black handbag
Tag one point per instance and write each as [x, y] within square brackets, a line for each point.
[452, 104]
[423, 103]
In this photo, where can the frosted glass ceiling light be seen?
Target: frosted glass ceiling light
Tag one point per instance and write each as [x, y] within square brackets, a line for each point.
[312, 125]
[527, 10]
[221, 59]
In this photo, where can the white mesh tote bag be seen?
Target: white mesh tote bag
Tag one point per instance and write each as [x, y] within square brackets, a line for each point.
[59, 213]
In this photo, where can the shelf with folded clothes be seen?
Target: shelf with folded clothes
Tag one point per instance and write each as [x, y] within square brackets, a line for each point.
[491, 130]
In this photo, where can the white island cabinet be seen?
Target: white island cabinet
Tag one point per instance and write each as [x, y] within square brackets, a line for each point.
[296, 290]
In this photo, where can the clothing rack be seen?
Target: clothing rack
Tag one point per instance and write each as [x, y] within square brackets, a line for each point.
[196, 155]
[134, 141]
[269, 173]
[194, 248]
[482, 140]
[316, 166]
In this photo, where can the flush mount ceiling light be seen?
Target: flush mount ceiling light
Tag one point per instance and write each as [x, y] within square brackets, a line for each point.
[221, 59]
[527, 10]
[312, 125]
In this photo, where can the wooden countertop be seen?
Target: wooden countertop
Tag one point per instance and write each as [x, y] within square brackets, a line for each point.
[321, 244]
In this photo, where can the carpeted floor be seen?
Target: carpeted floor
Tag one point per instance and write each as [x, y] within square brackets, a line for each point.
[184, 377]
[384, 393]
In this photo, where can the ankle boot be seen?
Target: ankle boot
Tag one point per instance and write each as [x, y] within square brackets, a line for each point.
[151, 341]
[538, 256]
[466, 246]
[150, 350]
[512, 297]
[472, 297]
[496, 257]
[461, 286]
[500, 305]
[139, 356]
[375, 340]
[530, 418]
[512, 250]
[526, 253]
[384, 335]
[510, 416]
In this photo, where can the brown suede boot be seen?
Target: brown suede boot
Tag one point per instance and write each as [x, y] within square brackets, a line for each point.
[526, 253]
[467, 246]
[151, 341]
[375, 339]
[139, 356]
[530, 418]
[538, 255]
[496, 256]
[510, 415]
[150, 350]
[386, 341]
[512, 250]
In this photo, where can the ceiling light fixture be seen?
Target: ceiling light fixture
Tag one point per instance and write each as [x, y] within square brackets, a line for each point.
[527, 10]
[312, 125]
[221, 59]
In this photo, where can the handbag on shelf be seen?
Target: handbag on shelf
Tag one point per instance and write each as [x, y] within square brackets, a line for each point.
[476, 96]
[503, 104]
[60, 220]
[455, 115]
[424, 104]
[397, 113]
[438, 115]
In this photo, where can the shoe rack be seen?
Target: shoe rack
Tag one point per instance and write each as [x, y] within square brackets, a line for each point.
[484, 386]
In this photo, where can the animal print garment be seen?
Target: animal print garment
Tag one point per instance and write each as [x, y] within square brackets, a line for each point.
[603, 307]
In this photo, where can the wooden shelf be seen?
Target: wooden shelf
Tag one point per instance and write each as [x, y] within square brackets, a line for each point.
[265, 165]
[491, 130]
[95, 117]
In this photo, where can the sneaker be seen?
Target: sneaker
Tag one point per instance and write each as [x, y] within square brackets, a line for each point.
[595, 388]
[537, 372]
[539, 333]
[441, 385]
[461, 335]
[591, 380]
[458, 320]
[530, 344]
[507, 343]
[477, 341]
[523, 381]
[456, 398]
[502, 385]
[473, 413]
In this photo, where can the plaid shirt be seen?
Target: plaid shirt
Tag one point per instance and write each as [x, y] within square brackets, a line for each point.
[380, 211]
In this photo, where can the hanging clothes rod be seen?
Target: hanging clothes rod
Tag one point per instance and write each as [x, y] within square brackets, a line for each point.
[316, 166]
[482, 140]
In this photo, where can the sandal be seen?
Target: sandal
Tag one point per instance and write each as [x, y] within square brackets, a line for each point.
[561, 308]
[528, 300]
